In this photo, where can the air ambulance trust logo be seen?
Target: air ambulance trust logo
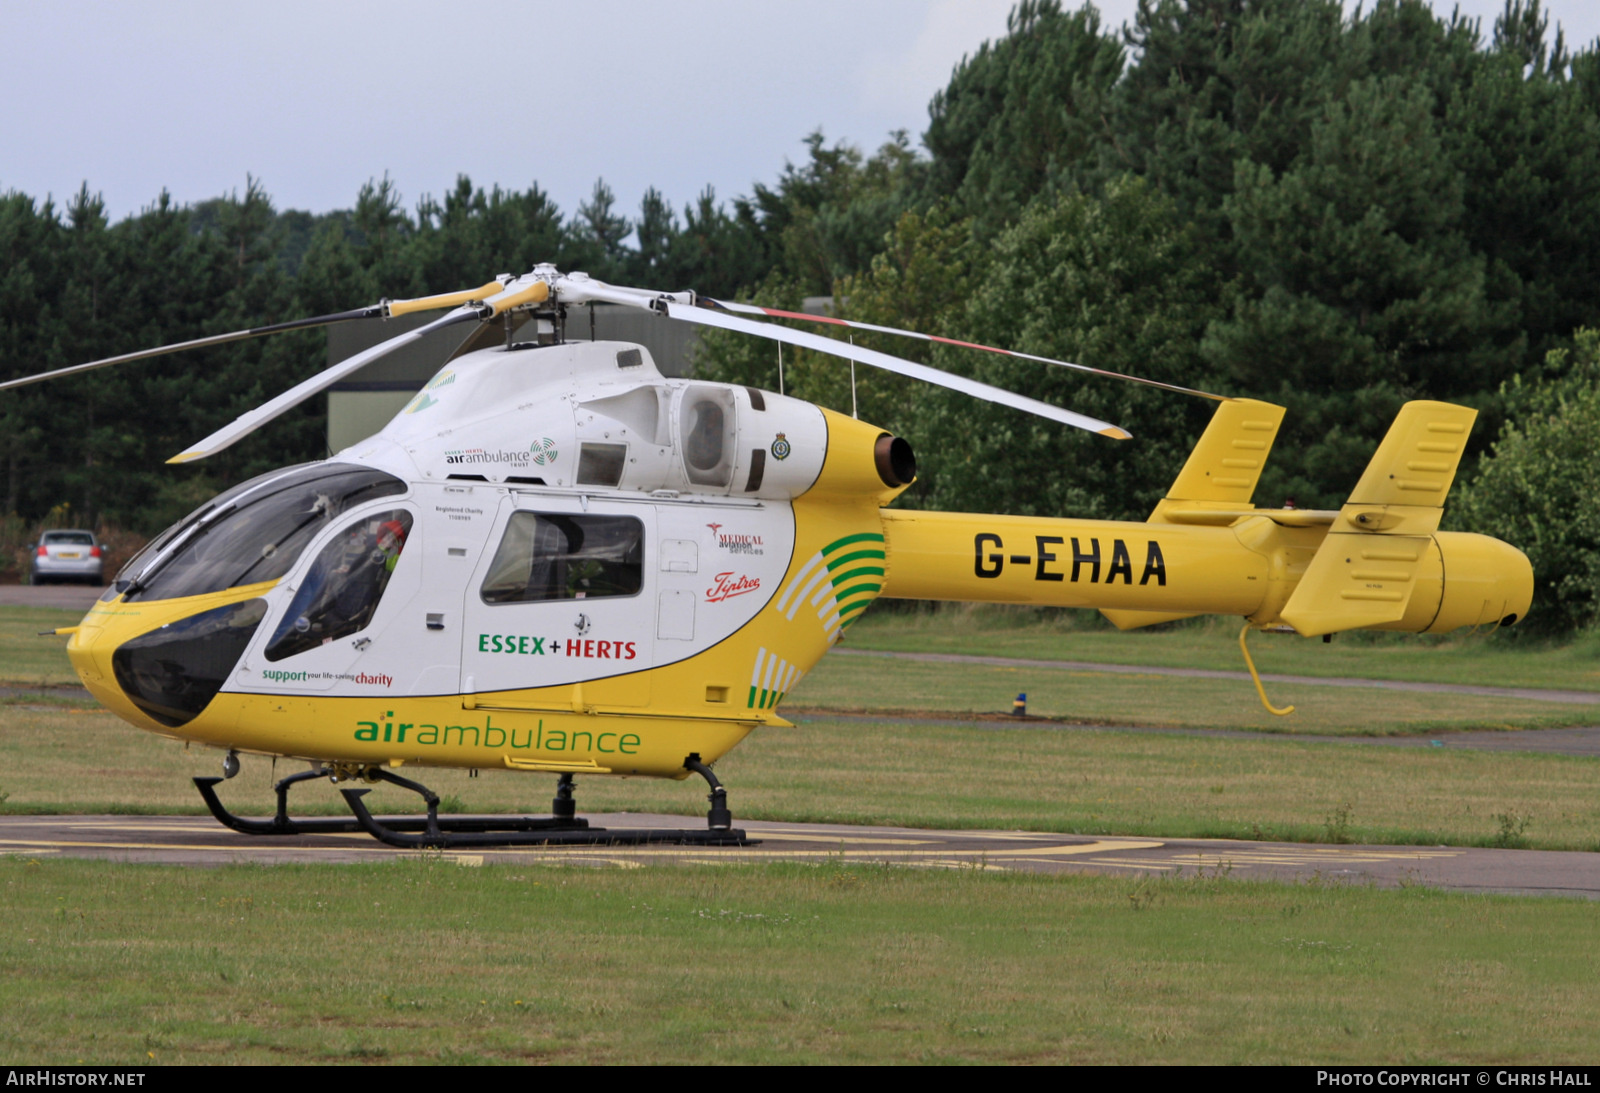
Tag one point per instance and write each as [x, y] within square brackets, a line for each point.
[486, 455]
[544, 451]
[780, 448]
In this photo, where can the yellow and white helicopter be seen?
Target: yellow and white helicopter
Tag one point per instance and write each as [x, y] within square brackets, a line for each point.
[556, 559]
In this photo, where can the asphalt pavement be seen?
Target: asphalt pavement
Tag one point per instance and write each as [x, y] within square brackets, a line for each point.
[200, 841]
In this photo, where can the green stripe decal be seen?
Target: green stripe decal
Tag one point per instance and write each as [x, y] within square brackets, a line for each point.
[867, 590]
[858, 556]
[839, 544]
[851, 581]
[859, 571]
[752, 702]
[848, 539]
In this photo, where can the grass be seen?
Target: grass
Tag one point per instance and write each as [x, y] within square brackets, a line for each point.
[1508, 659]
[420, 961]
[914, 774]
[871, 684]
[425, 962]
[27, 658]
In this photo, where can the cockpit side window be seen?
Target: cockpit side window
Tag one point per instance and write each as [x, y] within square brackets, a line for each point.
[560, 556]
[261, 536]
[344, 585]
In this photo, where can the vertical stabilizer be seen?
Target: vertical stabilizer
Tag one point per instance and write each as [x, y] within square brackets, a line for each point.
[1366, 570]
[1226, 464]
[1217, 481]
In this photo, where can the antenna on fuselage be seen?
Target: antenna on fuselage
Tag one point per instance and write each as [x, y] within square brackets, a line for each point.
[853, 411]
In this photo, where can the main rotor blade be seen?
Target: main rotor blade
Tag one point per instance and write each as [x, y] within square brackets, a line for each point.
[248, 422]
[201, 343]
[752, 309]
[385, 309]
[392, 308]
[707, 317]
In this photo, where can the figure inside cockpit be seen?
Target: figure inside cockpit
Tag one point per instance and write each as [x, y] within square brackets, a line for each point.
[342, 589]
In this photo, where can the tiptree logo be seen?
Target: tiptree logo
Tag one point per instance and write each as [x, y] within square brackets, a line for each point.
[837, 582]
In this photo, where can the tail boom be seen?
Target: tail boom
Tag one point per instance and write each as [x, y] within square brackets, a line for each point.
[1251, 569]
[1070, 563]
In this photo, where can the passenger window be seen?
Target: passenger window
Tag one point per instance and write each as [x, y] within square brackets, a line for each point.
[345, 583]
[557, 556]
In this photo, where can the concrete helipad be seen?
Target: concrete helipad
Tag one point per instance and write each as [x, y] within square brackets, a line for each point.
[201, 841]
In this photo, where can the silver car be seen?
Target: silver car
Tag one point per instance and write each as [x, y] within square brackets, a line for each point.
[68, 556]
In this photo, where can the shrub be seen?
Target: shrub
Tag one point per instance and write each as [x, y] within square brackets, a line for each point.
[1536, 488]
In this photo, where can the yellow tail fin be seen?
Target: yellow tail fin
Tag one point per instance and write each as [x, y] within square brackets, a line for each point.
[1226, 464]
[1366, 569]
[1216, 483]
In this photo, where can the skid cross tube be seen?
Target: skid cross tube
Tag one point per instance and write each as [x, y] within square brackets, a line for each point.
[558, 831]
[554, 835]
[433, 832]
[282, 824]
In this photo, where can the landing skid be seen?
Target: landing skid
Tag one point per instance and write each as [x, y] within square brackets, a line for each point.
[433, 832]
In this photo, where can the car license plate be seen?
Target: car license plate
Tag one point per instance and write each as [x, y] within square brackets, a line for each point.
[68, 554]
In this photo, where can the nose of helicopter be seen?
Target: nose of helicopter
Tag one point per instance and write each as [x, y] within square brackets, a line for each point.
[160, 664]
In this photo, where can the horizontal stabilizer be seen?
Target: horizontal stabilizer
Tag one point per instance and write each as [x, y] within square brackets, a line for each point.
[1357, 580]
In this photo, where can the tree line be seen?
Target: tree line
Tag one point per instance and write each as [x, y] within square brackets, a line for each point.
[1268, 198]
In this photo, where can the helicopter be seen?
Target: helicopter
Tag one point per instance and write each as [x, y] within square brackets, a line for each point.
[557, 560]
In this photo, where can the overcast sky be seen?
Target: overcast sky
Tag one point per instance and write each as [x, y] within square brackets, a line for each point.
[316, 98]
